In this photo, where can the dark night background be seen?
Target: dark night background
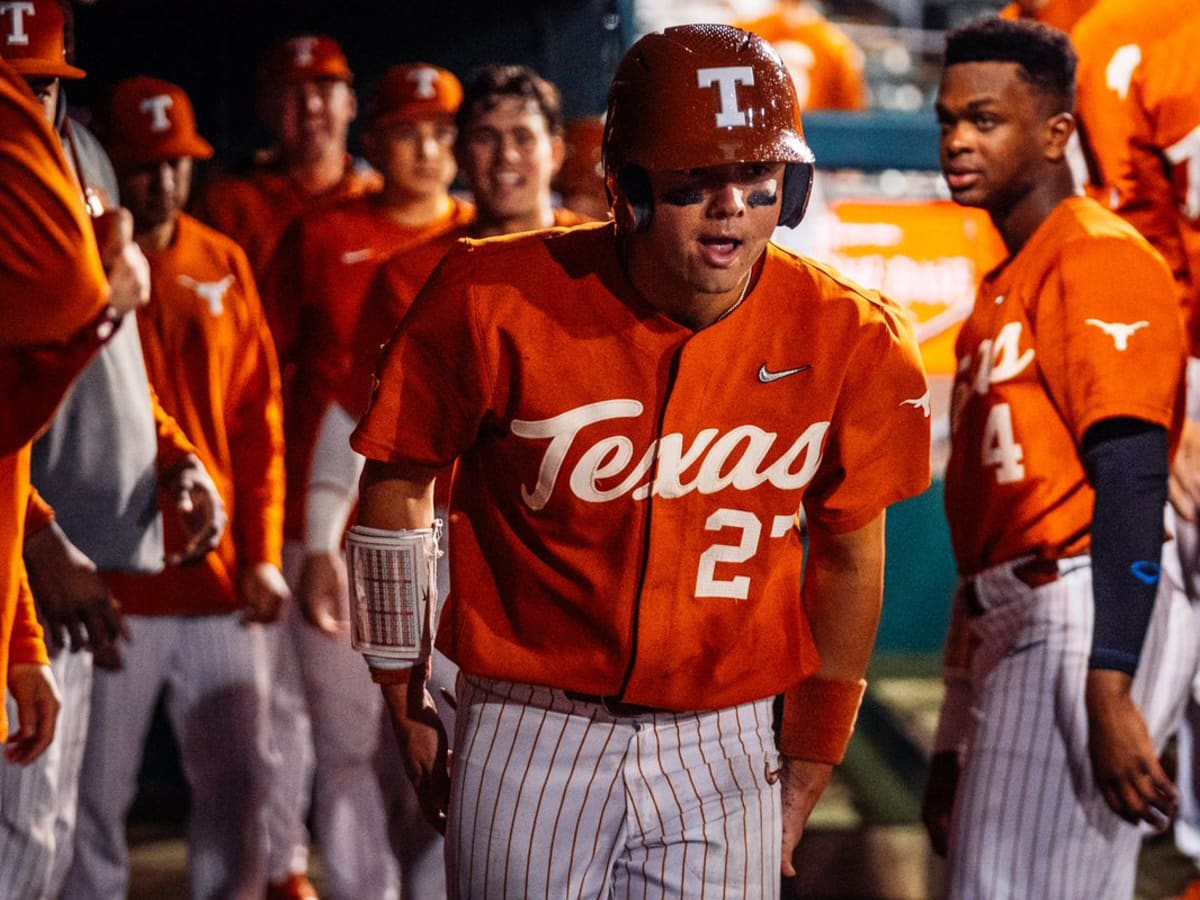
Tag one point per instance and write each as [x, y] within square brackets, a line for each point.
[212, 48]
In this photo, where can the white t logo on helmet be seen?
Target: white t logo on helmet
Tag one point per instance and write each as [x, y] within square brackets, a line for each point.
[727, 78]
[302, 51]
[157, 107]
[16, 32]
[425, 80]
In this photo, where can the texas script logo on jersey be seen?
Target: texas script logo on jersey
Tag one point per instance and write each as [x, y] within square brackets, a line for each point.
[743, 457]
[766, 376]
[1119, 331]
[994, 361]
[16, 13]
[726, 79]
[211, 292]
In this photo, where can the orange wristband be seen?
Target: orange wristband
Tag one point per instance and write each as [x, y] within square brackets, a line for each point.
[818, 718]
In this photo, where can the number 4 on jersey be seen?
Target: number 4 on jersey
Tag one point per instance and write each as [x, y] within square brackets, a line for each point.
[1000, 448]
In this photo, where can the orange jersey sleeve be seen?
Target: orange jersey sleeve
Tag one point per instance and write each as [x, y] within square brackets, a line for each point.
[38, 513]
[51, 279]
[1049, 351]
[625, 496]
[209, 357]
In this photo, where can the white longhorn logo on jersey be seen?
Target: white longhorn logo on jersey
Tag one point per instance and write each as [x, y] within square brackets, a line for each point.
[727, 78]
[1185, 155]
[211, 292]
[737, 458]
[17, 36]
[921, 403]
[426, 80]
[1119, 73]
[1119, 331]
[302, 50]
[157, 107]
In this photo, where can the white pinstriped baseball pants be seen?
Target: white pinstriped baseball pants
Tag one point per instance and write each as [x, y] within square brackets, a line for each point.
[1028, 820]
[38, 801]
[556, 798]
[214, 672]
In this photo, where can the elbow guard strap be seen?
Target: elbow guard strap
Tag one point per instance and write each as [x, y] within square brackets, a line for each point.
[393, 593]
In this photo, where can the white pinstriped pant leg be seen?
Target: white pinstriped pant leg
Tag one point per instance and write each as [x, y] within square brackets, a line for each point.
[1187, 823]
[122, 706]
[218, 702]
[1028, 820]
[557, 799]
[291, 760]
[38, 801]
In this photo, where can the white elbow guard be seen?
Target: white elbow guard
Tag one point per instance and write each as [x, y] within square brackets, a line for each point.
[393, 593]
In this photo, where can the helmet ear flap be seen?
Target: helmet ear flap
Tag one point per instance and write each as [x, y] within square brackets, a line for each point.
[797, 188]
[635, 198]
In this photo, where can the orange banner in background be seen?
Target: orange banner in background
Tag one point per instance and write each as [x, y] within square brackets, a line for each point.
[928, 256]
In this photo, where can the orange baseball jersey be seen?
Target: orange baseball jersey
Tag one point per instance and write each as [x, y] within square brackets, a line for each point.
[1078, 327]
[1060, 14]
[313, 293]
[625, 498]
[825, 64]
[209, 356]
[51, 287]
[1139, 102]
[257, 208]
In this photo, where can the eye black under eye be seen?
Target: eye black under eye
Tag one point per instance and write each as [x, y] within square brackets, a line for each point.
[683, 196]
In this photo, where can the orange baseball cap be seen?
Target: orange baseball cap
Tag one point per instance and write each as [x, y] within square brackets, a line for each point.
[414, 90]
[303, 58]
[32, 39]
[149, 121]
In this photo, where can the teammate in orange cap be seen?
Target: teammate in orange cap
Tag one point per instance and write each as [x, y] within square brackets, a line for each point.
[639, 410]
[307, 100]
[1072, 642]
[210, 358]
[315, 291]
[826, 65]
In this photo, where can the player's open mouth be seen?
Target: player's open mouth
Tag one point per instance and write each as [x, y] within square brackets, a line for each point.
[960, 181]
[719, 251]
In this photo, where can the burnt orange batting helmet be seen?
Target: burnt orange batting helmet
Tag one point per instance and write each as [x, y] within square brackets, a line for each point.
[696, 96]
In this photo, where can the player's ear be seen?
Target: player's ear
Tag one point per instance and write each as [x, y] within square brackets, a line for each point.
[1058, 130]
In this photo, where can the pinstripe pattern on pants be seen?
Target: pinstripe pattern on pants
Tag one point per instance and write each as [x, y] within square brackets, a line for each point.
[1028, 820]
[556, 798]
[214, 673]
[38, 802]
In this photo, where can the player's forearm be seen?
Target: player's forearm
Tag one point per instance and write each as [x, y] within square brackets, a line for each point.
[395, 497]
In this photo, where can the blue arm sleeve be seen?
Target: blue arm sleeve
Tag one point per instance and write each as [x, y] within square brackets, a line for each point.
[1127, 462]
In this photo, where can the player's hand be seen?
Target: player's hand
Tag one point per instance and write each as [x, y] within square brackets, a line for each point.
[803, 783]
[423, 746]
[323, 591]
[938, 800]
[200, 508]
[1124, 761]
[124, 263]
[1185, 472]
[74, 605]
[32, 687]
[263, 592]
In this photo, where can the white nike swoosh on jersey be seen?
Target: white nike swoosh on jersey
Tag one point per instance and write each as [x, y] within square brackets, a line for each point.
[350, 257]
[766, 376]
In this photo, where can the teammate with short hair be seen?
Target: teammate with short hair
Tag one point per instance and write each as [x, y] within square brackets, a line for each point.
[638, 411]
[1071, 646]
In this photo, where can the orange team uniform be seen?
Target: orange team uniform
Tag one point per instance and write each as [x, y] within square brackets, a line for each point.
[1050, 350]
[1060, 14]
[825, 64]
[255, 209]
[52, 290]
[210, 359]
[314, 293]
[565, 458]
[1139, 102]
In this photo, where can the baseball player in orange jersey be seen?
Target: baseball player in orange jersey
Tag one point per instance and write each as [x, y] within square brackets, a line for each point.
[308, 102]
[826, 65]
[315, 291]
[1071, 644]
[514, 120]
[638, 411]
[209, 355]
